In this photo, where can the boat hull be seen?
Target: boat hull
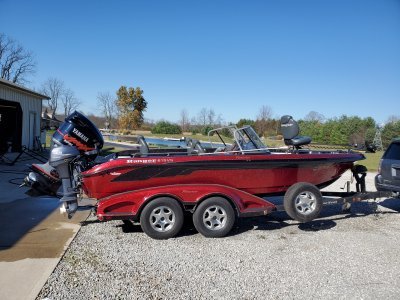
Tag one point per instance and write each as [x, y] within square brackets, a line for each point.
[254, 174]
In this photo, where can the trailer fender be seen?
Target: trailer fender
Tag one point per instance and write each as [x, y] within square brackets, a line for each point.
[130, 204]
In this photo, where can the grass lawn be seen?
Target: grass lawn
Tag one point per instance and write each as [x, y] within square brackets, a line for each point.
[372, 161]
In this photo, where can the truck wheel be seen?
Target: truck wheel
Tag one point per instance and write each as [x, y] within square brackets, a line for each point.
[214, 217]
[303, 202]
[162, 218]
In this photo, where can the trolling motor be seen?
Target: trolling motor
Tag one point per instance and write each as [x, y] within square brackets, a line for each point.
[76, 144]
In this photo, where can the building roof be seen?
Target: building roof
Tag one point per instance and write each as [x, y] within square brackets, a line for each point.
[22, 89]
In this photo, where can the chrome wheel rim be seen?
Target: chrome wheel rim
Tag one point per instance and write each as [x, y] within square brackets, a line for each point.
[306, 203]
[162, 218]
[214, 217]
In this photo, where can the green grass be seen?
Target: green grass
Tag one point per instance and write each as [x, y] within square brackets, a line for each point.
[372, 161]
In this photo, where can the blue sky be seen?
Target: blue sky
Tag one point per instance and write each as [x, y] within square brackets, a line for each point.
[334, 57]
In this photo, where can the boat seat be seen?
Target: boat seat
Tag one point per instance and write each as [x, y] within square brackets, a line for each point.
[144, 148]
[290, 131]
[194, 146]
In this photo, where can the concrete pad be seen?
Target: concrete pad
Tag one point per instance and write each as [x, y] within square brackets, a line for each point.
[33, 235]
[33, 258]
[24, 279]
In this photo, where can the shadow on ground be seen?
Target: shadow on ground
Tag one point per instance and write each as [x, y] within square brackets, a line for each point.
[19, 217]
[280, 220]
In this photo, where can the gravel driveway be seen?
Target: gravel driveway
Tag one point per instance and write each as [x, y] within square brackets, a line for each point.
[338, 256]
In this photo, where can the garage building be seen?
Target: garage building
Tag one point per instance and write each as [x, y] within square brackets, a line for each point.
[20, 113]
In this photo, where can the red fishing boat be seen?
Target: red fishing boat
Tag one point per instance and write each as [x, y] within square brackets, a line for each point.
[216, 185]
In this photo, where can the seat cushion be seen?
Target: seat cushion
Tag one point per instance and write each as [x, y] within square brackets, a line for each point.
[298, 141]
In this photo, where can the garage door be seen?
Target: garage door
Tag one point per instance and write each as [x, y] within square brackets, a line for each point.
[10, 125]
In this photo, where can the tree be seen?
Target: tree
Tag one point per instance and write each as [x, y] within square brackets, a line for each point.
[53, 88]
[107, 106]
[184, 121]
[393, 119]
[16, 63]
[342, 130]
[390, 131]
[211, 117]
[69, 101]
[208, 117]
[314, 116]
[202, 117]
[131, 105]
[265, 114]
[243, 122]
[164, 127]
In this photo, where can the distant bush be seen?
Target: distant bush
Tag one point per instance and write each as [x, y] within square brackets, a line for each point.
[206, 129]
[195, 130]
[145, 127]
[226, 132]
[165, 127]
[126, 132]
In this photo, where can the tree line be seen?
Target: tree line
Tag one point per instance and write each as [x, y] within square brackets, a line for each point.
[125, 110]
[343, 130]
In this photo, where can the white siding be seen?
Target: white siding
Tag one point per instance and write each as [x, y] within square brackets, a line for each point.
[29, 103]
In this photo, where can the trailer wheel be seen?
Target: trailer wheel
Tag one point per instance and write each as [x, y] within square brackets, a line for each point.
[162, 218]
[214, 217]
[303, 202]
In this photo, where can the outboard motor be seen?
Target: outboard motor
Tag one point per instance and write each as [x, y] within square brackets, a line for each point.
[76, 144]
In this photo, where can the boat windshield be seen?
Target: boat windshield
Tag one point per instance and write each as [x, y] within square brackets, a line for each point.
[245, 139]
[248, 139]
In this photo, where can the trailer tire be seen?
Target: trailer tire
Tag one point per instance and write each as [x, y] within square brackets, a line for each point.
[162, 218]
[303, 202]
[214, 217]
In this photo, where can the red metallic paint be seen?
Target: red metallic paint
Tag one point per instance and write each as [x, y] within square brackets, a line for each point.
[100, 181]
[203, 176]
[130, 203]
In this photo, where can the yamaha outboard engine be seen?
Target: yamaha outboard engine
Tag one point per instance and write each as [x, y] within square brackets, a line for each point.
[76, 144]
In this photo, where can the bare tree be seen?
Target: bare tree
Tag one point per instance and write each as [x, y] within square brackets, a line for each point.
[184, 121]
[392, 119]
[202, 117]
[16, 63]
[107, 106]
[208, 117]
[53, 88]
[264, 115]
[211, 117]
[314, 116]
[69, 101]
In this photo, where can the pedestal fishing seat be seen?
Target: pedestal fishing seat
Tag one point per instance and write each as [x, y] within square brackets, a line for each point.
[290, 131]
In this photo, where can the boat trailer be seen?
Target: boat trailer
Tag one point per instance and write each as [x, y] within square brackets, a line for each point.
[302, 202]
[297, 209]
